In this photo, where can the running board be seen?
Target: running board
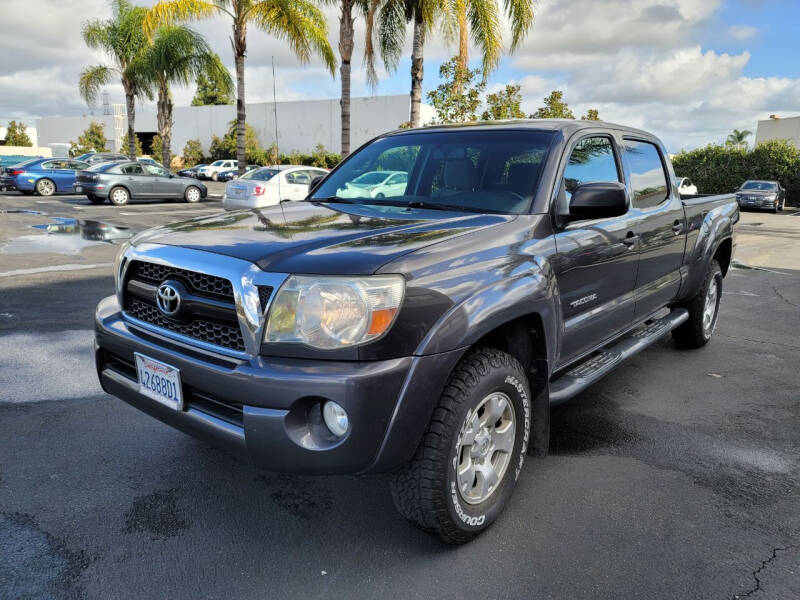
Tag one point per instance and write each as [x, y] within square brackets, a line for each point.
[601, 363]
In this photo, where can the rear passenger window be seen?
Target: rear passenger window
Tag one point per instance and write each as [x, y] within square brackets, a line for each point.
[592, 160]
[648, 179]
[133, 170]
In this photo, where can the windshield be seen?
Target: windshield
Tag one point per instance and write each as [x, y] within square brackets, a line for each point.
[763, 186]
[25, 163]
[494, 171]
[260, 174]
[217, 163]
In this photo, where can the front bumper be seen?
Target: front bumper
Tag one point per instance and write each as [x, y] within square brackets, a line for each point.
[269, 409]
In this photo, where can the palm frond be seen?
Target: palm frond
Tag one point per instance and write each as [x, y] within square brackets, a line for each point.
[520, 14]
[369, 43]
[484, 22]
[298, 22]
[92, 79]
[169, 12]
[96, 34]
[392, 23]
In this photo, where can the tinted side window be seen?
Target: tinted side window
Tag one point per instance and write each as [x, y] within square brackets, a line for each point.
[592, 160]
[133, 170]
[648, 179]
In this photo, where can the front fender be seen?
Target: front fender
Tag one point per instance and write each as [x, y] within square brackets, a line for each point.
[530, 291]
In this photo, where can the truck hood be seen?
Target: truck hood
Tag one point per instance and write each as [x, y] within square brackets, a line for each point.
[322, 239]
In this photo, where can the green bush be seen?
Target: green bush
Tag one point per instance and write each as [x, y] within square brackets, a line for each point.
[192, 153]
[722, 169]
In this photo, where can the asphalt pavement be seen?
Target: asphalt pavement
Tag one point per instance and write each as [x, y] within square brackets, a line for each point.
[676, 476]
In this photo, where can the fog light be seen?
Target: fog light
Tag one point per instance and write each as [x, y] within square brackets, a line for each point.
[335, 418]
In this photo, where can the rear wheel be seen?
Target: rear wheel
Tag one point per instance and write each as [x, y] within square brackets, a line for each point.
[45, 187]
[119, 196]
[467, 464]
[192, 194]
[703, 309]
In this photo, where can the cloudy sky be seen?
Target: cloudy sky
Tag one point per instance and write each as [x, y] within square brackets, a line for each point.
[688, 70]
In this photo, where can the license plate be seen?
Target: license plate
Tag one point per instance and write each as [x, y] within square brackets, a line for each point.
[78, 188]
[160, 382]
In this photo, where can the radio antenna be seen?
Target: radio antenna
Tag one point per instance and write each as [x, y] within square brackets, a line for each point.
[277, 148]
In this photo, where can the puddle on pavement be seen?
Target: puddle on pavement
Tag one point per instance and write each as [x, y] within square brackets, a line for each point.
[23, 211]
[67, 236]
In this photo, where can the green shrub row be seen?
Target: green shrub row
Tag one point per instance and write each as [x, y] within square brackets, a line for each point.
[719, 169]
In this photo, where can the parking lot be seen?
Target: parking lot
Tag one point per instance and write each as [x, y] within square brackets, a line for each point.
[677, 476]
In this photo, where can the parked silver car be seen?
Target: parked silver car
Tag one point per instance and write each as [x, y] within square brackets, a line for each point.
[120, 182]
[269, 186]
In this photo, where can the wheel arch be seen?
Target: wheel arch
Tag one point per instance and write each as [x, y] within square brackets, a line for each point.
[723, 254]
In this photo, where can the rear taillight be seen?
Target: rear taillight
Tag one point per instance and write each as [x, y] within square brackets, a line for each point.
[259, 191]
[16, 172]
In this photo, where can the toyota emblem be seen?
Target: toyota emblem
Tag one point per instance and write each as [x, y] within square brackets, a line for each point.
[168, 299]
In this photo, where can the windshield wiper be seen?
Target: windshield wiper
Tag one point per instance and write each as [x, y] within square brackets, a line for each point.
[433, 206]
[337, 199]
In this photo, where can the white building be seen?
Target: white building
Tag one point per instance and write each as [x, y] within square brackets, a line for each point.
[777, 128]
[302, 124]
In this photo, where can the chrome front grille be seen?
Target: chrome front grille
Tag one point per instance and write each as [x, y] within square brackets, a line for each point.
[201, 283]
[227, 335]
[224, 300]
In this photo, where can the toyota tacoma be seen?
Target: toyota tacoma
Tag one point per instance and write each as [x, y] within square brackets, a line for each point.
[425, 333]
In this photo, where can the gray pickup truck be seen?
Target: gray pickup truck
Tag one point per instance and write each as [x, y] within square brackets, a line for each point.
[423, 331]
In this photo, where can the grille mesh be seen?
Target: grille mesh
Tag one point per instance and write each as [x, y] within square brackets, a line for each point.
[200, 282]
[219, 334]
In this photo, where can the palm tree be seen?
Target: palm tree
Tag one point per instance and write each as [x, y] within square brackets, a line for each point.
[299, 22]
[393, 18]
[123, 40]
[482, 18]
[368, 9]
[178, 55]
[738, 138]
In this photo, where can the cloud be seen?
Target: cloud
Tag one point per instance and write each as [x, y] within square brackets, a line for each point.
[639, 62]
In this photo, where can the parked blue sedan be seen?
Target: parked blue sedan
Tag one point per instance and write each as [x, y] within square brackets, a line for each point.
[45, 176]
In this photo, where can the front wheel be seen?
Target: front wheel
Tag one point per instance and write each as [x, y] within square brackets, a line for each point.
[703, 309]
[192, 194]
[469, 459]
[215, 176]
[119, 196]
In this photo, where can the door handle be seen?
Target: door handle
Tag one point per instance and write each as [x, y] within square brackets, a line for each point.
[630, 239]
[677, 226]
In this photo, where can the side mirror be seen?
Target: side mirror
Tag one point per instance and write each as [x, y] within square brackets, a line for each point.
[315, 183]
[598, 200]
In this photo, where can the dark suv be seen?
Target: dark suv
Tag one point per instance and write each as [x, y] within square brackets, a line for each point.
[425, 333]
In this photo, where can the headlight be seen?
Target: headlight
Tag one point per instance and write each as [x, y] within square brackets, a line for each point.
[334, 312]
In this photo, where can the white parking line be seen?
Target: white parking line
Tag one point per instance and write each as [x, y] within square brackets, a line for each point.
[52, 268]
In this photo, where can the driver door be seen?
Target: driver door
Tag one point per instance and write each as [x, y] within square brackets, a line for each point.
[596, 262]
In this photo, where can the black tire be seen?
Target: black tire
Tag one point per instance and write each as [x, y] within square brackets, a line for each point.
[425, 490]
[194, 196]
[95, 199]
[119, 196]
[694, 333]
[45, 187]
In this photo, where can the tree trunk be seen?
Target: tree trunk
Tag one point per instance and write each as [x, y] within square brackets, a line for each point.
[416, 69]
[346, 53]
[240, 49]
[130, 106]
[165, 122]
[463, 46]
